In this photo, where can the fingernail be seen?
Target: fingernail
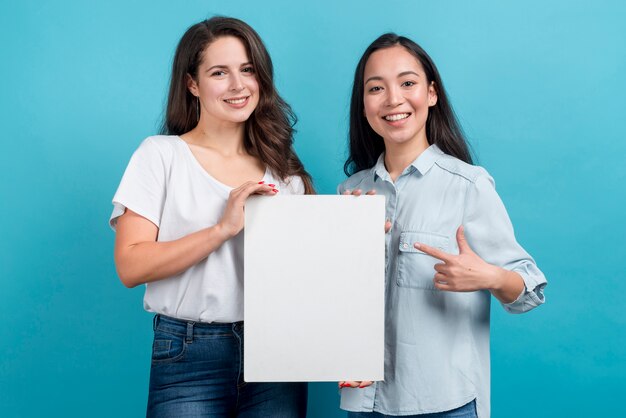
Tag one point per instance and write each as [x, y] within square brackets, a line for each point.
[275, 191]
[261, 182]
[271, 185]
[416, 245]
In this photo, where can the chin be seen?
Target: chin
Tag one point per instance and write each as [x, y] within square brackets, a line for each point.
[398, 139]
[241, 118]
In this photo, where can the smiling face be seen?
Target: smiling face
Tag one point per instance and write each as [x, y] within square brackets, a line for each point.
[397, 97]
[226, 83]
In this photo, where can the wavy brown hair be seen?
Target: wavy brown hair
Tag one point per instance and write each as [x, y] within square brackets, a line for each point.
[269, 129]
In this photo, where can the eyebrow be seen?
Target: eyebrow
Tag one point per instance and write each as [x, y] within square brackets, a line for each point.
[402, 74]
[225, 66]
[375, 78]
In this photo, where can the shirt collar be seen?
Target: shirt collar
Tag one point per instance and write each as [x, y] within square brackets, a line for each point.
[379, 168]
[422, 163]
[427, 159]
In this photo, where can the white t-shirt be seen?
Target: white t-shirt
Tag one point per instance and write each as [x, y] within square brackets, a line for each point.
[165, 184]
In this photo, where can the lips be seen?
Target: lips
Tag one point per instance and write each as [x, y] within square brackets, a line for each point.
[394, 117]
[237, 100]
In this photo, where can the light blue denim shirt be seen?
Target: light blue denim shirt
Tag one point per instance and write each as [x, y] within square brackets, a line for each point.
[437, 342]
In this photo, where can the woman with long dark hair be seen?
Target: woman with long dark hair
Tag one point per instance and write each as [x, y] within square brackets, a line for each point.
[450, 243]
[178, 216]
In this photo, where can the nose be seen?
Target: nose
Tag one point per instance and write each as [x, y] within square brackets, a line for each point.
[394, 96]
[236, 83]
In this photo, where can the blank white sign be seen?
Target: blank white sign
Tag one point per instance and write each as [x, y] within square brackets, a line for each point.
[314, 288]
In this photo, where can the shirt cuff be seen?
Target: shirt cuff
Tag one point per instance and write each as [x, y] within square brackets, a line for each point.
[527, 299]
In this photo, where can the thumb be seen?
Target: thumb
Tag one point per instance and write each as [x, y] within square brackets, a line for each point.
[461, 241]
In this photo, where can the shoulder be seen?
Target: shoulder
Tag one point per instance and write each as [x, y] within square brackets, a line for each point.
[161, 144]
[159, 149]
[356, 181]
[455, 167]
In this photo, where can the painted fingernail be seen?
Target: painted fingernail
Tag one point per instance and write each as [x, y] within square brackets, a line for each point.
[271, 185]
[261, 182]
[275, 191]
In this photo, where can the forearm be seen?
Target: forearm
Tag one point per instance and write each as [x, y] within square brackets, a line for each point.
[507, 285]
[150, 261]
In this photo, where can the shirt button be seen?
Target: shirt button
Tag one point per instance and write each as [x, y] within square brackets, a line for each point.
[405, 245]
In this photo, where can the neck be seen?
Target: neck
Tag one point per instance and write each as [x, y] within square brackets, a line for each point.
[225, 137]
[399, 156]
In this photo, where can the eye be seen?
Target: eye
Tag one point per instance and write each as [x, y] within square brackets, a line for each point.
[408, 84]
[249, 70]
[375, 89]
[218, 73]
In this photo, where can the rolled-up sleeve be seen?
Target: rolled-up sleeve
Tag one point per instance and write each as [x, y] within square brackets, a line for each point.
[490, 234]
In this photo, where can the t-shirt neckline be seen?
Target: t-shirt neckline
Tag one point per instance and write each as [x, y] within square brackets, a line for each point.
[208, 175]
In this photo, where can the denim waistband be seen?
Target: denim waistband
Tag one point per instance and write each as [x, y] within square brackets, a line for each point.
[191, 328]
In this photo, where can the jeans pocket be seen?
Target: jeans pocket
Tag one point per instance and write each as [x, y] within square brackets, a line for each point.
[415, 268]
[167, 347]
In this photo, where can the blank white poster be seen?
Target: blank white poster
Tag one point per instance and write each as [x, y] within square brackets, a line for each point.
[314, 288]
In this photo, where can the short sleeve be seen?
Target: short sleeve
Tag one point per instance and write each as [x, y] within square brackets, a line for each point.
[490, 234]
[142, 188]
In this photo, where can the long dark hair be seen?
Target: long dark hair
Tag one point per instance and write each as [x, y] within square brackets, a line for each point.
[269, 129]
[442, 127]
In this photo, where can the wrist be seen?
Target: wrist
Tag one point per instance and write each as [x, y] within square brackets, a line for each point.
[222, 233]
[497, 278]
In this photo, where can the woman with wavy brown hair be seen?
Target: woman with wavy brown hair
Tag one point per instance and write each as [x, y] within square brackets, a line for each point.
[179, 212]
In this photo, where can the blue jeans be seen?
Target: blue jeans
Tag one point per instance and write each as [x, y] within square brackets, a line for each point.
[466, 411]
[197, 371]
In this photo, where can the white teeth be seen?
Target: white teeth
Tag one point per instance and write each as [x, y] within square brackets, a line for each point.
[398, 116]
[236, 101]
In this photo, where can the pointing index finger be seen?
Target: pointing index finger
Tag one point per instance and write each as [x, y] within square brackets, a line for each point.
[433, 252]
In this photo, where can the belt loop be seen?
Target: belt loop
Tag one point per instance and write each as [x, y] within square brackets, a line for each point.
[155, 322]
[189, 338]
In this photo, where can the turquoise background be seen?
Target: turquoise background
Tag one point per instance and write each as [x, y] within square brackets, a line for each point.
[538, 85]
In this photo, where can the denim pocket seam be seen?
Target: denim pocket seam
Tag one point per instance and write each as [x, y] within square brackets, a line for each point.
[161, 345]
[170, 359]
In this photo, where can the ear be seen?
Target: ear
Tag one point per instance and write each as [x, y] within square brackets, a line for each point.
[432, 94]
[192, 85]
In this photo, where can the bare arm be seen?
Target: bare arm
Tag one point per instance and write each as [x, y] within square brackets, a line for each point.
[139, 258]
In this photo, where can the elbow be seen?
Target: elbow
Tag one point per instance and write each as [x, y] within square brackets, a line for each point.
[128, 279]
[128, 283]
[127, 270]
